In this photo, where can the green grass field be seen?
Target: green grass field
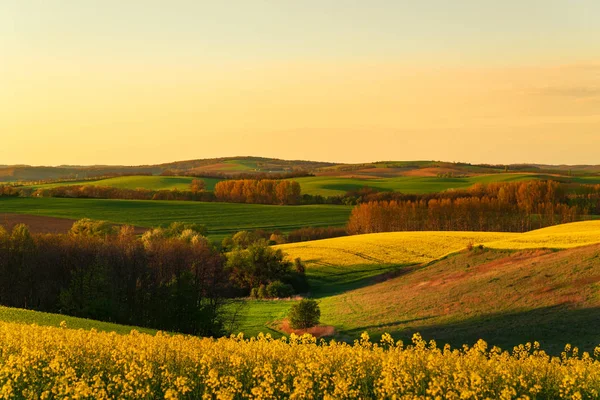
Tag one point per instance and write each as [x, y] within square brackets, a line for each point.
[221, 219]
[327, 185]
[45, 319]
[333, 186]
[145, 182]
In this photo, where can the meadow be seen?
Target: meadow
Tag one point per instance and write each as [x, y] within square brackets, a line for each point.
[135, 182]
[58, 362]
[221, 219]
[335, 186]
[325, 185]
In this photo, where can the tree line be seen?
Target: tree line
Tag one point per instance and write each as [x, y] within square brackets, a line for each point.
[171, 278]
[501, 207]
[270, 191]
[264, 191]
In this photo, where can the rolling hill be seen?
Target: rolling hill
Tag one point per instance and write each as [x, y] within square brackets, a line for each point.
[221, 219]
[227, 166]
[139, 181]
[541, 285]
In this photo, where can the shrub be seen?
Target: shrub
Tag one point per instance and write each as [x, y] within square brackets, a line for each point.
[278, 289]
[261, 293]
[259, 264]
[276, 238]
[299, 266]
[305, 314]
[88, 227]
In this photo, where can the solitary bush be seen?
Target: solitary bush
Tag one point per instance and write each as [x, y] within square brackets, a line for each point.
[305, 314]
[279, 289]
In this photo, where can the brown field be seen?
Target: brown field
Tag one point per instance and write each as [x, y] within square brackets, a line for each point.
[42, 224]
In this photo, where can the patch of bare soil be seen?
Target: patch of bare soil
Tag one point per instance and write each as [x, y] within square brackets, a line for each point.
[43, 224]
[316, 331]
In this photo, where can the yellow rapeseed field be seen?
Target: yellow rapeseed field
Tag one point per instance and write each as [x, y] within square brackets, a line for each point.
[420, 247]
[387, 248]
[57, 362]
[557, 237]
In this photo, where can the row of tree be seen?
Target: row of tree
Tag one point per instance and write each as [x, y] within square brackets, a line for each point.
[196, 193]
[462, 214]
[264, 191]
[171, 278]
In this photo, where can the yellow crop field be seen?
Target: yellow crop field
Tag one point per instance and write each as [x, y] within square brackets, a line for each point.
[420, 247]
[557, 237]
[52, 362]
[387, 248]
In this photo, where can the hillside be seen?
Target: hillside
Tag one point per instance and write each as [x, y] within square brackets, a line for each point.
[502, 296]
[227, 166]
[406, 282]
[221, 219]
[17, 315]
[139, 181]
[423, 247]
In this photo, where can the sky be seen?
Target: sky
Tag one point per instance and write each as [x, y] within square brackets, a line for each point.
[142, 81]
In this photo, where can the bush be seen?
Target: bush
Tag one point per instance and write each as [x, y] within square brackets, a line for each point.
[257, 265]
[88, 227]
[278, 289]
[261, 293]
[299, 266]
[305, 314]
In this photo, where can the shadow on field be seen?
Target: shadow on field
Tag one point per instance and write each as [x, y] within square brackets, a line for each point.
[334, 282]
[358, 331]
[552, 326]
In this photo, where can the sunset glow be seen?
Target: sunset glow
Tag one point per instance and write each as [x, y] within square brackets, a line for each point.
[146, 82]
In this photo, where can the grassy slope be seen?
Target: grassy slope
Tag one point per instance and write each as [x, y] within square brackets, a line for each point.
[45, 319]
[501, 296]
[325, 185]
[357, 294]
[331, 185]
[146, 182]
[220, 218]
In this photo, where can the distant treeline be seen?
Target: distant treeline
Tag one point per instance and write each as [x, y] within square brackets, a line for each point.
[171, 278]
[106, 192]
[274, 191]
[239, 175]
[501, 207]
[88, 178]
[264, 191]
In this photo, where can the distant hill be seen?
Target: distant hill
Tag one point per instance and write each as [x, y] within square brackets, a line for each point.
[248, 166]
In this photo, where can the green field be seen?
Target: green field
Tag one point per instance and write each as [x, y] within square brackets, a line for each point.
[136, 182]
[328, 185]
[45, 319]
[221, 219]
[334, 186]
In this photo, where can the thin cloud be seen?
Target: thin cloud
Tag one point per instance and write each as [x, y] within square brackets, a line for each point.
[580, 92]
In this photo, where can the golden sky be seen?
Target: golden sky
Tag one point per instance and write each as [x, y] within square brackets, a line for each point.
[331, 81]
